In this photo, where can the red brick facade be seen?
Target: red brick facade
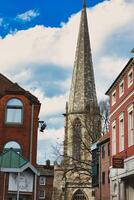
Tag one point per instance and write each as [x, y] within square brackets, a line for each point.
[121, 95]
[46, 172]
[102, 189]
[121, 106]
[25, 133]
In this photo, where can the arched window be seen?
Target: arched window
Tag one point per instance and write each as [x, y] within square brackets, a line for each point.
[79, 195]
[76, 139]
[14, 145]
[14, 111]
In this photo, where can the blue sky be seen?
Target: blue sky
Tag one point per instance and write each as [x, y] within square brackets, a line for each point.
[46, 13]
[37, 50]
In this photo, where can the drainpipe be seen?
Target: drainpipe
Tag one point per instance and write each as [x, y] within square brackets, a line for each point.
[100, 170]
[31, 133]
[18, 186]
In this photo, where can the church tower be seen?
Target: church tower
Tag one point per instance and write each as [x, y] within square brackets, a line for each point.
[82, 122]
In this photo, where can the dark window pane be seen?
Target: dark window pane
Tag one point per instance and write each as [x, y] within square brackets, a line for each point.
[103, 177]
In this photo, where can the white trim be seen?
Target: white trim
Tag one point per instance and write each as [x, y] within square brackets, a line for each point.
[42, 197]
[122, 103]
[44, 180]
[113, 138]
[113, 98]
[121, 132]
[130, 126]
[130, 83]
[21, 169]
[121, 92]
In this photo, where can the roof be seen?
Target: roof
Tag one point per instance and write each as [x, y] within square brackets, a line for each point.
[11, 161]
[131, 61]
[46, 170]
[105, 138]
[7, 86]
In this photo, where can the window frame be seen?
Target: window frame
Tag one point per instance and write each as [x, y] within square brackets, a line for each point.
[42, 197]
[121, 92]
[113, 98]
[14, 107]
[44, 180]
[114, 138]
[128, 81]
[121, 132]
[130, 131]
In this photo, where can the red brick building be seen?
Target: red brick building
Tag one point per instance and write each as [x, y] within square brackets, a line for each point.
[101, 163]
[19, 111]
[121, 95]
[45, 181]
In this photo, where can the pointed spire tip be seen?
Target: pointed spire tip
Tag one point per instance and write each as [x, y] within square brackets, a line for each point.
[83, 3]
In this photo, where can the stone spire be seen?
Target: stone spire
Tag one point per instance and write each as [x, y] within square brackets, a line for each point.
[83, 92]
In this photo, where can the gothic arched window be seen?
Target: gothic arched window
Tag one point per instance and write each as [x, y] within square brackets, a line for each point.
[76, 139]
[79, 195]
[14, 111]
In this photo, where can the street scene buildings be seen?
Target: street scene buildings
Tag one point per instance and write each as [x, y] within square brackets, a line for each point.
[95, 164]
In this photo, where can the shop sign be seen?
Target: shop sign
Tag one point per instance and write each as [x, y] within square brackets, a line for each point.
[118, 162]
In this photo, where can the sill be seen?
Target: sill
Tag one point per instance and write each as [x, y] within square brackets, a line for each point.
[13, 124]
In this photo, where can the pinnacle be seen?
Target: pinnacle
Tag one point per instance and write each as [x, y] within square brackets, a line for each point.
[83, 3]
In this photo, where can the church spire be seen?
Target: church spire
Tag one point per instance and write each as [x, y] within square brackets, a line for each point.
[83, 92]
[84, 3]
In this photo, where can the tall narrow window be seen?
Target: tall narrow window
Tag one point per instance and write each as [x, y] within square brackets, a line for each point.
[103, 151]
[114, 138]
[14, 111]
[121, 132]
[108, 149]
[113, 97]
[76, 139]
[130, 78]
[103, 178]
[130, 126]
[121, 88]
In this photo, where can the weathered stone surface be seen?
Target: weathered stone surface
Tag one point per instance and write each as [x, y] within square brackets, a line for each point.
[82, 101]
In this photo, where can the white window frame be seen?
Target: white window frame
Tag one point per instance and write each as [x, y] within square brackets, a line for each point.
[114, 138]
[42, 197]
[121, 132]
[113, 97]
[130, 83]
[120, 88]
[42, 180]
[131, 125]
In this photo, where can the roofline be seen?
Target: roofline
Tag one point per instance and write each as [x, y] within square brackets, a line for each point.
[107, 92]
[104, 141]
[21, 169]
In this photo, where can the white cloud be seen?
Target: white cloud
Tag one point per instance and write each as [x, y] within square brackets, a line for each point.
[28, 15]
[51, 105]
[27, 49]
[55, 134]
